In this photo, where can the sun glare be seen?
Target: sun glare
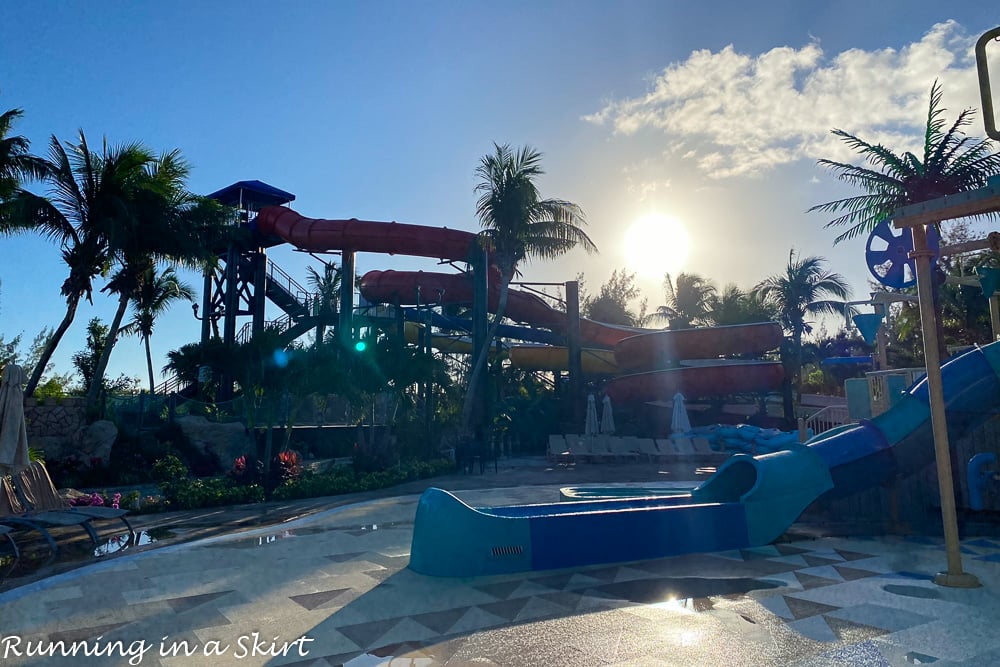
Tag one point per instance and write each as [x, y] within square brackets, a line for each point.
[656, 244]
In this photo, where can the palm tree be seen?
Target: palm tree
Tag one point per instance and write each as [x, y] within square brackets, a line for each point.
[735, 306]
[951, 163]
[16, 164]
[688, 300]
[86, 190]
[327, 289]
[518, 225]
[156, 293]
[805, 288]
[160, 220]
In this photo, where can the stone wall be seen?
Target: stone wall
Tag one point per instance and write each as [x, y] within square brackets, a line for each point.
[54, 419]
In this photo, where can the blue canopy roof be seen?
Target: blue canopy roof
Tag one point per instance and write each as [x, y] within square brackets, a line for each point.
[255, 192]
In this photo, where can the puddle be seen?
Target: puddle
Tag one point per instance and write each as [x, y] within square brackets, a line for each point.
[125, 541]
[272, 538]
[690, 593]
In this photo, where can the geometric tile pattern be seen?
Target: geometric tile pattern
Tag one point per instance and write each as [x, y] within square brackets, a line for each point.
[344, 585]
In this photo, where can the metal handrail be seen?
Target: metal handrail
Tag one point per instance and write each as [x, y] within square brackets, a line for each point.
[829, 417]
[278, 276]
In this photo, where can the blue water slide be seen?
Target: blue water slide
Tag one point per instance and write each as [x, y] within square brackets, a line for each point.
[750, 501]
[899, 442]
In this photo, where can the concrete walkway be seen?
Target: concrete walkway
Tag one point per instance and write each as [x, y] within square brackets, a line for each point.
[329, 585]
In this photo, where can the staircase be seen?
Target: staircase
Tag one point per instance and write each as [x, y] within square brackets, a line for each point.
[283, 291]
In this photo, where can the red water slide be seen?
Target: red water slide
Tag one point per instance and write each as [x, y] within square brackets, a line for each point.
[397, 238]
[646, 351]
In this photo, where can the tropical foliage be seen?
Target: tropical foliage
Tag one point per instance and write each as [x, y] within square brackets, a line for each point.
[156, 292]
[518, 225]
[326, 286]
[613, 303]
[16, 163]
[950, 162]
[737, 306]
[805, 288]
[689, 300]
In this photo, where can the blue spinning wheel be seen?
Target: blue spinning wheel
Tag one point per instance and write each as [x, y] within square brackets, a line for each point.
[892, 265]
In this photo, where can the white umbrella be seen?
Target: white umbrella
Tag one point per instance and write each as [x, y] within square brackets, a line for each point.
[680, 422]
[13, 431]
[607, 417]
[590, 425]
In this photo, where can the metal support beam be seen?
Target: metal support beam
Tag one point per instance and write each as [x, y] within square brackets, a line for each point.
[206, 306]
[259, 260]
[231, 296]
[345, 322]
[573, 343]
[480, 324]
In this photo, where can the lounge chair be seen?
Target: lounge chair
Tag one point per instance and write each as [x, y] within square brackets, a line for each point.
[557, 449]
[597, 446]
[5, 531]
[625, 447]
[668, 451]
[647, 448]
[13, 515]
[577, 447]
[38, 494]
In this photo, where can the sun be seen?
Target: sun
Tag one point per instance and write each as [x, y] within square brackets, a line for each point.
[656, 244]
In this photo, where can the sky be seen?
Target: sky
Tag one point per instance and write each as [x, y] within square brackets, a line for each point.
[711, 113]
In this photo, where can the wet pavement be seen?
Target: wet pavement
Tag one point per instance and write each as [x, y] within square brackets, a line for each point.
[326, 583]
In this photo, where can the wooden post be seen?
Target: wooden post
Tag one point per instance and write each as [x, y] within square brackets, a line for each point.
[954, 576]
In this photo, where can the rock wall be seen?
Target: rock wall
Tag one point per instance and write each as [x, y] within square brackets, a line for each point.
[59, 428]
[54, 419]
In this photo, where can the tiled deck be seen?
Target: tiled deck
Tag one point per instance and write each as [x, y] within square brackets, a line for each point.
[339, 578]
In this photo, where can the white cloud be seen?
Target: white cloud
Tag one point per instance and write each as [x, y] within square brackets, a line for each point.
[735, 114]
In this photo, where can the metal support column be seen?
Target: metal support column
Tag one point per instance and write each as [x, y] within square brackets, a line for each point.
[345, 321]
[480, 305]
[259, 260]
[206, 306]
[573, 343]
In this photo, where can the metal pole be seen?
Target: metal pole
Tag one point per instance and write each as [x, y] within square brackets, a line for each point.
[345, 323]
[995, 316]
[882, 339]
[573, 343]
[954, 576]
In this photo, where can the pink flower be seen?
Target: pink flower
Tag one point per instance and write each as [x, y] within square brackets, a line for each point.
[96, 499]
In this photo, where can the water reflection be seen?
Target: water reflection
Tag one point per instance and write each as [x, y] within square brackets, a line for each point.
[272, 538]
[126, 541]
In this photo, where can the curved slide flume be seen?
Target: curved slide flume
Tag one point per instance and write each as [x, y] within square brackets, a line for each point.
[748, 502]
[660, 352]
[395, 238]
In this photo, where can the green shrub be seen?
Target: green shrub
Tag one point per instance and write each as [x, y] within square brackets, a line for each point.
[345, 480]
[181, 491]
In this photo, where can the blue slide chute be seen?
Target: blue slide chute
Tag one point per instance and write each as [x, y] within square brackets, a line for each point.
[750, 501]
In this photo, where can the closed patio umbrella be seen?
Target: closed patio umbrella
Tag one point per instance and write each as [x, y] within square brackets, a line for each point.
[590, 425]
[13, 431]
[607, 417]
[680, 422]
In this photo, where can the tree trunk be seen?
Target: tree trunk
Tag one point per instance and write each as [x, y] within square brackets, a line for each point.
[93, 394]
[149, 366]
[479, 364]
[50, 345]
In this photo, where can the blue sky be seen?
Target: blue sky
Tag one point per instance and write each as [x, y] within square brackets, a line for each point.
[712, 112]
